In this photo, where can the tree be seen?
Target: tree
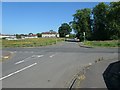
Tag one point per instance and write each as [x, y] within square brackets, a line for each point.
[64, 29]
[81, 23]
[30, 34]
[100, 31]
[18, 36]
[39, 35]
[114, 20]
[72, 36]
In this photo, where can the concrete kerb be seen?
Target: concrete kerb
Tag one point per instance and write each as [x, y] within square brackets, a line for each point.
[77, 78]
[72, 83]
[81, 44]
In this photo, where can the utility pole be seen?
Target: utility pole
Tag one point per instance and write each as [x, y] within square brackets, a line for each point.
[56, 38]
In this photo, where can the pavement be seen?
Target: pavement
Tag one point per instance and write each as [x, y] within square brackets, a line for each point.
[49, 67]
[93, 75]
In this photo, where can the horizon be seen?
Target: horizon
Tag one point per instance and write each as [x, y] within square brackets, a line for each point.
[38, 17]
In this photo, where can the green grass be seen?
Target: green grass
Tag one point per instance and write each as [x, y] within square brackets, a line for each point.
[36, 42]
[111, 43]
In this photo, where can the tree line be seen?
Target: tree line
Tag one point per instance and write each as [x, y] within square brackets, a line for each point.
[100, 23]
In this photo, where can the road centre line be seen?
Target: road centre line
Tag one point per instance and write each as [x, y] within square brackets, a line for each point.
[19, 62]
[40, 56]
[18, 71]
[22, 61]
[52, 55]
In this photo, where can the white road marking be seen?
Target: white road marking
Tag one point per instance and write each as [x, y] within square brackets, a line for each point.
[20, 62]
[52, 55]
[40, 56]
[33, 56]
[18, 71]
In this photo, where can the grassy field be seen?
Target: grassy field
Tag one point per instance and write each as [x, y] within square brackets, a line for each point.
[111, 43]
[36, 42]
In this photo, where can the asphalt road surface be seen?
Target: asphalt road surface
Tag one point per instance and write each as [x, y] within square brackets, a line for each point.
[49, 67]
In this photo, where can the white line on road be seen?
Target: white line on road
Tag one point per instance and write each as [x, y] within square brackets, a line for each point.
[33, 56]
[18, 71]
[20, 62]
[52, 55]
[40, 56]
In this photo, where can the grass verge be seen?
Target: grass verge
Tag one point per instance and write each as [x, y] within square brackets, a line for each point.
[111, 43]
[35, 42]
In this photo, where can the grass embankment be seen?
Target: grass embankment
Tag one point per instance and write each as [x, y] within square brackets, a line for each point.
[36, 42]
[111, 43]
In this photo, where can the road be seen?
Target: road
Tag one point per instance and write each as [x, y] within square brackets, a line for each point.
[50, 66]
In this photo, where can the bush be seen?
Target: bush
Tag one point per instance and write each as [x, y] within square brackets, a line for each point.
[114, 37]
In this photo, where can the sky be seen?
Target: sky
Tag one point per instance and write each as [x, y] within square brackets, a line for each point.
[37, 17]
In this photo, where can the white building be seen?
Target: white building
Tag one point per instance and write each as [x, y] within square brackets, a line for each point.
[50, 34]
[13, 37]
[30, 36]
[8, 37]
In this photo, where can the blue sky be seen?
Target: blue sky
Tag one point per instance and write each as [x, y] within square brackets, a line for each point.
[37, 17]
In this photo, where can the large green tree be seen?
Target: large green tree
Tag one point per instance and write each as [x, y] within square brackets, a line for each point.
[114, 20]
[101, 31]
[18, 36]
[64, 29]
[81, 23]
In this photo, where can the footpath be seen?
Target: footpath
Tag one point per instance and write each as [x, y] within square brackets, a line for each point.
[92, 75]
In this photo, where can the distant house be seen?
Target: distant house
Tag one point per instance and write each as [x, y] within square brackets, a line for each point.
[50, 34]
[8, 37]
[13, 37]
[30, 36]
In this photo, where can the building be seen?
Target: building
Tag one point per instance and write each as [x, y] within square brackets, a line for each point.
[50, 34]
[30, 36]
[8, 37]
[13, 37]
